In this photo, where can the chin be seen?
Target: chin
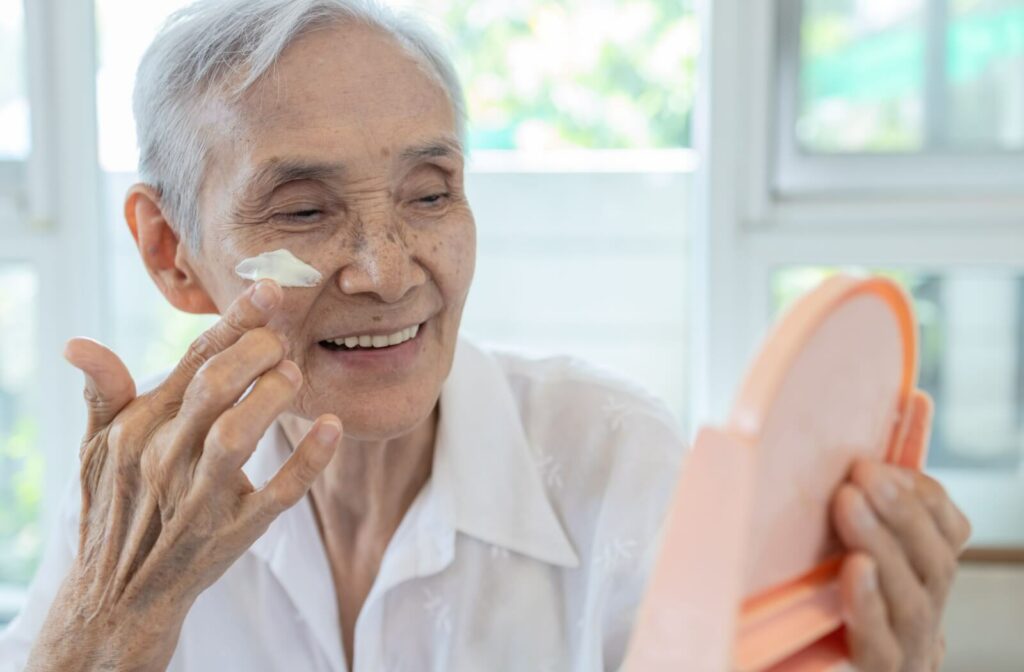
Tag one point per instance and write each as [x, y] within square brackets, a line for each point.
[379, 416]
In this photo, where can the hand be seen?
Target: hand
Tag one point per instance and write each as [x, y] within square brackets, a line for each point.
[905, 535]
[166, 508]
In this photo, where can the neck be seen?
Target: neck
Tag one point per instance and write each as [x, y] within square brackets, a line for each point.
[369, 485]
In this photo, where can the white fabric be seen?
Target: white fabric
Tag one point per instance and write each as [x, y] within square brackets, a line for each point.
[527, 549]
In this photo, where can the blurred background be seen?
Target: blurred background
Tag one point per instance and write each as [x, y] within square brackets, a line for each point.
[653, 181]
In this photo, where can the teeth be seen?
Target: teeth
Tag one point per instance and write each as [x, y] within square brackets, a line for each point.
[377, 341]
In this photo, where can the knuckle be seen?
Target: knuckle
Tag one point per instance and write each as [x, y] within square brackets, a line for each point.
[124, 436]
[932, 493]
[210, 386]
[202, 348]
[948, 567]
[265, 340]
[225, 436]
[305, 472]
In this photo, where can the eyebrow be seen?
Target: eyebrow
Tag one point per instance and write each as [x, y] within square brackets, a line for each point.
[434, 149]
[275, 172]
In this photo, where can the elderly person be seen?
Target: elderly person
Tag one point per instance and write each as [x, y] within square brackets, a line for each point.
[330, 478]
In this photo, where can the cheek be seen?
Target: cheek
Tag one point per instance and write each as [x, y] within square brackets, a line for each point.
[453, 259]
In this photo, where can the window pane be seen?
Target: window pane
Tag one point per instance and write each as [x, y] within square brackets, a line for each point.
[21, 463]
[862, 73]
[971, 360]
[538, 74]
[985, 62]
[576, 74]
[14, 128]
[911, 75]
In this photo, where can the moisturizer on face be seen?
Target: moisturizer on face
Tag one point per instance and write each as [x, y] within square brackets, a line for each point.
[282, 267]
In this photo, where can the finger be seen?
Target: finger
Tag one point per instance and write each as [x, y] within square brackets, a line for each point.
[909, 606]
[222, 380]
[108, 384]
[872, 643]
[234, 435]
[293, 480]
[914, 445]
[949, 519]
[249, 311]
[890, 491]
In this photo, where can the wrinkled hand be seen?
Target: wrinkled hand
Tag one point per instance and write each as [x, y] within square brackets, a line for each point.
[166, 508]
[905, 535]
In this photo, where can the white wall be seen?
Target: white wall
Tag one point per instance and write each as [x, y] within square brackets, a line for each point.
[984, 621]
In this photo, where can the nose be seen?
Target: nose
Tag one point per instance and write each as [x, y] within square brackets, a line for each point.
[383, 265]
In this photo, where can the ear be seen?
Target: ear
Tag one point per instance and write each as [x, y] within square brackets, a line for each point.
[165, 257]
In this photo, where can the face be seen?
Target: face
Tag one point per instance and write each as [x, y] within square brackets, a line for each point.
[346, 155]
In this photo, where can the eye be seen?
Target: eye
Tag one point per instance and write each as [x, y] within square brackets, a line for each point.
[433, 199]
[308, 215]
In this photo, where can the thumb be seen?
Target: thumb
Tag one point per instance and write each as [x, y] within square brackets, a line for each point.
[108, 385]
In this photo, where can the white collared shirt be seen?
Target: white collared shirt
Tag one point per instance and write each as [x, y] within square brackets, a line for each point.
[527, 549]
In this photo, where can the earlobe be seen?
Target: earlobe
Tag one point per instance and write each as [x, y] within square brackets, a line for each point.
[166, 259]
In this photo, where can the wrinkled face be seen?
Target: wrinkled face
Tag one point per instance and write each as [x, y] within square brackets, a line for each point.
[346, 155]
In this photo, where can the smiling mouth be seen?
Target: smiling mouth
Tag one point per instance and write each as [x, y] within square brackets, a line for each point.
[371, 342]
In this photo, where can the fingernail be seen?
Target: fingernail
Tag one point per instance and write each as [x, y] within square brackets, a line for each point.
[863, 517]
[888, 489]
[265, 295]
[328, 431]
[290, 371]
[903, 478]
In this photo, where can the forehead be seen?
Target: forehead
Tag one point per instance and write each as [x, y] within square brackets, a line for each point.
[347, 92]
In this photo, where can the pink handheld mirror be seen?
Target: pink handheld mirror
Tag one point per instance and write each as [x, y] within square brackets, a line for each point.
[746, 577]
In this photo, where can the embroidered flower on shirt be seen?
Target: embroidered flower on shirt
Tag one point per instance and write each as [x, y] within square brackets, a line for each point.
[616, 411]
[439, 610]
[550, 470]
[614, 554]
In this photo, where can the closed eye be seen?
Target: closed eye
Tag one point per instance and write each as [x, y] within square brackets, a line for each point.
[433, 198]
[303, 215]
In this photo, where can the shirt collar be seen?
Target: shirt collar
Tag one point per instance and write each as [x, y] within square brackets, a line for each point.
[483, 466]
[483, 458]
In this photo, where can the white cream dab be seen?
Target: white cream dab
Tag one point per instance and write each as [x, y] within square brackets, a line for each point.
[281, 266]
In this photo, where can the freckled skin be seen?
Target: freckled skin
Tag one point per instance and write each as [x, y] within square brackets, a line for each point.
[383, 216]
[379, 251]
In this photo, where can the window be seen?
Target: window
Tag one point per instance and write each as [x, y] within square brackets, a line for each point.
[933, 86]
[14, 127]
[895, 146]
[579, 177]
[21, 463]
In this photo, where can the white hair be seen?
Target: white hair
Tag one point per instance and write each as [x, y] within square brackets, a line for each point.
[202, 48]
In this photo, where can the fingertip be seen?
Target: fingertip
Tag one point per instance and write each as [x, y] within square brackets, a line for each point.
[328, 429]
[291, 371]
[265, 294]
[79, 350]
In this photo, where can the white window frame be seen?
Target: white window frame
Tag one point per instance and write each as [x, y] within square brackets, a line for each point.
[59, 231]
[747, 228]
[933, 173]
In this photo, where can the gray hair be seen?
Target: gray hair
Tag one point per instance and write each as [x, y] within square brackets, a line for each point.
[203, 47]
